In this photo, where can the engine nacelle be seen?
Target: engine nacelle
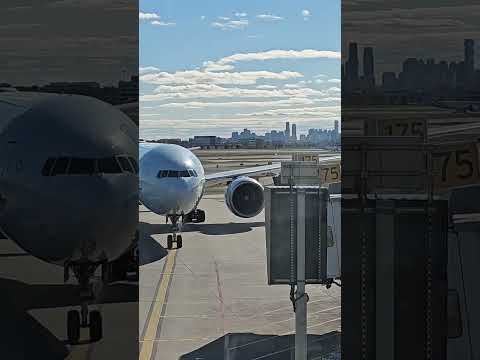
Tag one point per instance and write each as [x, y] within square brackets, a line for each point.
[244, 197]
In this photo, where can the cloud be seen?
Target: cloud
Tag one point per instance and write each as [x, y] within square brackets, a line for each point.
[230, 25]
[147, 69]
[240, 14]
[280, 54]
[306, 14]
[202, 17]
[224, 18]
[268, 17]
[266, 87]
[207, 77]
[148, 16]
[213, 91]
[318, 111]
[162, 23]
[212, 66]
[235, 104]
[335, 81]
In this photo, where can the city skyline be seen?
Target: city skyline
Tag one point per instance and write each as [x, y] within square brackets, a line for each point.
[422, 77]
[231, 66]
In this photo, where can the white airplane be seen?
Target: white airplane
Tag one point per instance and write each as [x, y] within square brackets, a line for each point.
[69, 187]
[173, 181]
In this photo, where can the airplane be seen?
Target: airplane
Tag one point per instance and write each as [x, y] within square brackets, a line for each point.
[173, 181]
[69, 188]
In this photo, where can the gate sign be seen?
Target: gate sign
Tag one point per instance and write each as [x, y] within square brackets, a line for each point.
[456, 165]
[396, 127]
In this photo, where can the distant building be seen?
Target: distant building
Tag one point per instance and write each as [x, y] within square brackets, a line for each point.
[205, 141]
[368, 67]
[287, 130]
[294, 132]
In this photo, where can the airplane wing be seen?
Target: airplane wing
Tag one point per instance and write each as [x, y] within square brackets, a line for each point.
[256, 171]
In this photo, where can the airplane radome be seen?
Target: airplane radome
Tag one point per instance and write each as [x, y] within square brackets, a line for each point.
[69, 186]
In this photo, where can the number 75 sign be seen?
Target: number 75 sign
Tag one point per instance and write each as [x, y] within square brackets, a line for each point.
[456, 165]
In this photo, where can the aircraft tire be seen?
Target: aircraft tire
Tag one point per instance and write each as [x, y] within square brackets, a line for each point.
[169, 242]
[73, 326]
[95, 326]
[179, 242]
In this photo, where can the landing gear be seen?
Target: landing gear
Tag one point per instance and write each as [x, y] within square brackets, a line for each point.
[177, 239]
[83, 319]
[196, 216]
[174, 238]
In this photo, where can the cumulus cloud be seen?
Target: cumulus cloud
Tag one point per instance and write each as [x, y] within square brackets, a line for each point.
[266, 87]
[207, 77]
[335, 81]
[202, 17]
[280, 54]
[147, 69]
[306, 14]
[237, 104]
[162, 23]
[230, 25]
[212, 91]
[240, 14]
[213, 66]
[148, 16]
[268, 17]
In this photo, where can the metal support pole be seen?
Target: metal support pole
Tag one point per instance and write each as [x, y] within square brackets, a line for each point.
[301, 299]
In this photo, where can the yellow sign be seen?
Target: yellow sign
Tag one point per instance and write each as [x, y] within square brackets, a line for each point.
[456, 165]
[331, 173]
[402, 128]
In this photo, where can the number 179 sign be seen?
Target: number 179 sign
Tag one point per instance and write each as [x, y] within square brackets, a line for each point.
[456, 165]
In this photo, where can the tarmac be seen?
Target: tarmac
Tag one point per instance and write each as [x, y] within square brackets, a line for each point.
[210, 299]
[34, 305]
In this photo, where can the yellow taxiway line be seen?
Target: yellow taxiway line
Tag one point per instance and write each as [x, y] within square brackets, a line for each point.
[159, 301]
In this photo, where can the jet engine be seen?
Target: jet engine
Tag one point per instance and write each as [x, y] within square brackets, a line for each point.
[244, 197]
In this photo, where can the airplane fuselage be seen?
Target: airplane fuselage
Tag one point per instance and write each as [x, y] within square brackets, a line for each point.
[172, 180]
[64, 196]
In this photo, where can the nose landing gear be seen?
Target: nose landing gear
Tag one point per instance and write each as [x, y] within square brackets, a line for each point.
[174, 237]
[83, 318]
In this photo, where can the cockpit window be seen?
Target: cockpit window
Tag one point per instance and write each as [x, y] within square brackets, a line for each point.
[134, 164]
[81, 166]
[109, 166]
[125, 164]
[176, 173]
[61, 166]
[47, 168]
[89, 166]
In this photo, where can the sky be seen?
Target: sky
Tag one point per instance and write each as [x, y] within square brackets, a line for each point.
[214, 66]
[44, 41]
[399, 29]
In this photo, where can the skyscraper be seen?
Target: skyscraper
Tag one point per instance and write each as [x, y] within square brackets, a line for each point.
[352, 62]
[294, 131]
[336, 126]
[287, 130]
[469, 49]
[368, 66]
